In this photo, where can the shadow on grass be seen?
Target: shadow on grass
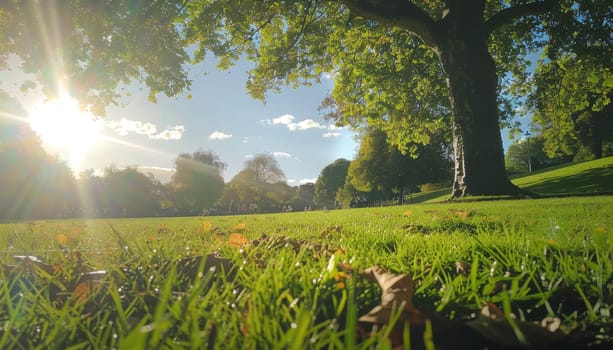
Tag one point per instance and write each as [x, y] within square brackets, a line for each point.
[596, 180]
[560, 183]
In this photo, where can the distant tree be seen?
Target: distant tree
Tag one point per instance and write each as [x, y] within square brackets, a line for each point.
[197, 182]
[261, 183]
[382, 169]
[517, 155]
[241, 189]
[304, 196]
[266, 168]
[330, 180]
[131, 193]
[94, 194]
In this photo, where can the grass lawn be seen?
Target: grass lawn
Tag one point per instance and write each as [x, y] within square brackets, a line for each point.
[592, 177]
[502, 274]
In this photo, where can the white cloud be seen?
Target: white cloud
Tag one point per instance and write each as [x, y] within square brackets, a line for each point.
[172, 133]
[218, 135]
[331, 134]
[281, 155]
[285, 119]
[125, 126]
[245, 140]
[333, 127]
[288, 120]
[295, 182]
[305, 125]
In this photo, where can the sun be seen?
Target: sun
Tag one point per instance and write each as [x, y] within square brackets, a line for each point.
[65, 129]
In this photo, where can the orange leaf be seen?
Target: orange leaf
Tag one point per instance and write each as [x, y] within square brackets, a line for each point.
[237, 239]
[62, 239]
[239, 227]
[81, 291]
[461, 213]
[407, 213]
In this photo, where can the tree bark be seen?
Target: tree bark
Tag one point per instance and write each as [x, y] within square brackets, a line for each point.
[472, 83]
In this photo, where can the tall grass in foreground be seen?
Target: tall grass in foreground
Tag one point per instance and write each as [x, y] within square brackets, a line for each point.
[533, 258]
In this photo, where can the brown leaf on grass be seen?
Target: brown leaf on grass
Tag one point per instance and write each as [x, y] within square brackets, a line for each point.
[31, 263]
[240, 227]
[237, 240]
[459, 213]
[397, 293]
[62, 239]
[462, 268]
[88, 285]
[337, 229]
[496, 327]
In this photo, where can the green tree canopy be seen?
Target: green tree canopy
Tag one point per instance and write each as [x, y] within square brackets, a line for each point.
[130, 193]
[92, 48]
[330, 180]
[413, 68]
[197, 181]
[571, 92]
[260, 186]
[265, 168]
[382, 169]
[518, 154]
[573, 105]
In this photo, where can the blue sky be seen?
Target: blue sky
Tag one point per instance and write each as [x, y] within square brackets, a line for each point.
[220, 116]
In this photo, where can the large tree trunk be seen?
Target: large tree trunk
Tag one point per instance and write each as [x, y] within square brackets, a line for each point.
[472, 83]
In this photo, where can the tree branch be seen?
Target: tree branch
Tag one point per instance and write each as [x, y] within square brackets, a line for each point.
[400, 13]
[510, 14]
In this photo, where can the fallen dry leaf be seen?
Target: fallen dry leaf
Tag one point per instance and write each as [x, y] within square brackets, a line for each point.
[397, 292]
[331, 230]
[460, 213]
[499, 331]
[462, 268]
[88, 285]
[62, 239]
[237, 240]
[240, 227]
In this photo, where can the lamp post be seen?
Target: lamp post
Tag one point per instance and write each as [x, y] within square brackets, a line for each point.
[527, 134]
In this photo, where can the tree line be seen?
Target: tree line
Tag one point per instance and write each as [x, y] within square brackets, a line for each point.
[38, 185]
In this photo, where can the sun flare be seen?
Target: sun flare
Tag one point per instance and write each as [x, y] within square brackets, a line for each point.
[64, 128]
